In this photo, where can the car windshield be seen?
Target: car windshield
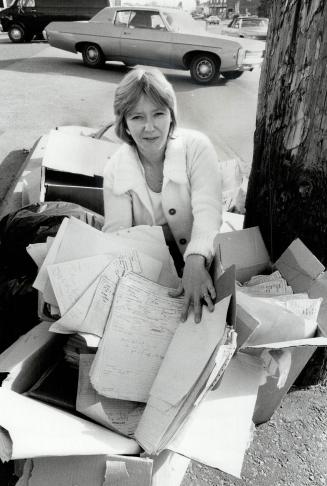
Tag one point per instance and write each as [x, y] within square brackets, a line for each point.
[183, 22]
[254, 23]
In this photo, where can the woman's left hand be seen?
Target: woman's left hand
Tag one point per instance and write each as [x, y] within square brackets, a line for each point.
[197, 287]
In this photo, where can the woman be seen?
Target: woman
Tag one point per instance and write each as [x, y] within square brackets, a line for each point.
[165, 176]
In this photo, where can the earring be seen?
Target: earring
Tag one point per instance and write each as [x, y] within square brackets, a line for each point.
[127, 131]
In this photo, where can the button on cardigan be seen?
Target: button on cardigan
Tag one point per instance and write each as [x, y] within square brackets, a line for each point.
[191, 192]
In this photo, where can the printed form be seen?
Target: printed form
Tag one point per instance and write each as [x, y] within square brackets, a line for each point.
[141, 324]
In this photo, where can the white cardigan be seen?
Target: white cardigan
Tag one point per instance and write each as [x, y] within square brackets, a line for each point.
[191, 192]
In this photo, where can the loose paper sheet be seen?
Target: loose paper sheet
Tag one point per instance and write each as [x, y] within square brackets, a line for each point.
[39, 430]
[141, 324]
[119, 415]
[219, 430]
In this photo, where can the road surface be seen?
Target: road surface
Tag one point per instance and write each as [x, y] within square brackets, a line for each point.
[42, 87]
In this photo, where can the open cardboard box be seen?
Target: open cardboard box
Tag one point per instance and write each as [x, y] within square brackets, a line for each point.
[20, 366]
[245, 249]
[304, 273]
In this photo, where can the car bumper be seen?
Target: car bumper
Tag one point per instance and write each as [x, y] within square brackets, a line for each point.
[251, 59]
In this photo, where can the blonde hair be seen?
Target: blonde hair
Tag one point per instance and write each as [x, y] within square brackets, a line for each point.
[138, 82]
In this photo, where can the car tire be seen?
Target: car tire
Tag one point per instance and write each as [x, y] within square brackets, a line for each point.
[232, 74]
[93, 56]
[16, 33]
[204, 68]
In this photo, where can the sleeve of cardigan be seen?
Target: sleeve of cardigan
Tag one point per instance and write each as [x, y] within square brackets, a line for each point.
[206, 195]
[117, 208]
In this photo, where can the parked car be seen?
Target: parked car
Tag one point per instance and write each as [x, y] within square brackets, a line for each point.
[158, 37]
[213, 19]
[250, 27]
[198, 16]
[25, 19]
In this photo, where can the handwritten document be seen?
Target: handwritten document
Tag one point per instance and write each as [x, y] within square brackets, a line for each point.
[119, 415]
[90, 312]
[70, 279]
[141, 324]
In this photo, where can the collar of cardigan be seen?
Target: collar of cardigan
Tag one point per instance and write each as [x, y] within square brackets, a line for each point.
[129, 174]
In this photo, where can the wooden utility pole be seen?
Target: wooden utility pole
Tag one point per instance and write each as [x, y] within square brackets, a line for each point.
[287, 194]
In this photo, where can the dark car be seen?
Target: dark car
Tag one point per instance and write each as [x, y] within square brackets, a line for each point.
[25, 19]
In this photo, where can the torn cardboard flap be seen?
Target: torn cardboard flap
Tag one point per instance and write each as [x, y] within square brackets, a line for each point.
[245, 249]
[299, 266]
[25, 360]
[98, 470]
[72, 153]
[49, 431]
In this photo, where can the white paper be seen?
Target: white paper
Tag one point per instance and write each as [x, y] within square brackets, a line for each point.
[141, 324]
[38, 430]
[120, 415]
[38, 252]
[42, 276]
[70, 279]
[90, 311]
[219, 430]
[77, 240]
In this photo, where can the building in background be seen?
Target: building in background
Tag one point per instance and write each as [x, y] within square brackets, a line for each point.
[228, 8]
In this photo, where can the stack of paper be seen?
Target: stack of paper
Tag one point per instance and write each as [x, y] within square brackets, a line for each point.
[82, 267]
[268, 285]
[196, 359]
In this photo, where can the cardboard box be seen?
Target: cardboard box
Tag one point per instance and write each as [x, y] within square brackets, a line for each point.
[20, 366]
[304, 273]
[67, 165]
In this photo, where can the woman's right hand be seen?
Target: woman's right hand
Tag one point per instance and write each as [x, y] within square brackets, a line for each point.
[197, 287]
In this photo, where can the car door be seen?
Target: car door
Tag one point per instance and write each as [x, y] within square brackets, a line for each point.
[109, 34]
[146, 39]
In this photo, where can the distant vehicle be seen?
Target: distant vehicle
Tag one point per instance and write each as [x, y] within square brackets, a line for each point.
[213, 19]
[156, 36]
[250, 27]
[198, 16]
[25, 19]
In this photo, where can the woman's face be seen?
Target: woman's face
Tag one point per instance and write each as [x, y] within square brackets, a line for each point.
[148, 125]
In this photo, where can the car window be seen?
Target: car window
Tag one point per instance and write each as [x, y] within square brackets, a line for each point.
[183, 22]
[142, 19]
[122, 17]
[254, 23]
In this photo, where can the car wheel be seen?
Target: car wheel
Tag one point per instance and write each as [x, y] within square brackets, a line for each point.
[232, 74]
[93, 56]
[16, 33]
[204, 68]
